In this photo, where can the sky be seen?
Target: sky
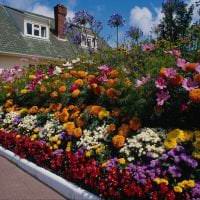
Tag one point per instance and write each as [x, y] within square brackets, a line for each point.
[144, 14]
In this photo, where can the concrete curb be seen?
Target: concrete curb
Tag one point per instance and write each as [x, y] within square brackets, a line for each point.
[62, 186]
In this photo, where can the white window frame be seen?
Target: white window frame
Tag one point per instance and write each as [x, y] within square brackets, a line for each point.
[91, 38]
[33, 28]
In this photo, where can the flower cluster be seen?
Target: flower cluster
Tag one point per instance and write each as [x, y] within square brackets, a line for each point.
[147, 142]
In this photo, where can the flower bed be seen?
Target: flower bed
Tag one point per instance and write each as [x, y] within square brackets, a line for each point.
[100, 128]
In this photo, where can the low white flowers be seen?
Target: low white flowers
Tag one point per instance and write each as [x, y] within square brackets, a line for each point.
[52, 127]
[57, 70]
[10, 117]
[148, 141]
[93, 139]
[28, 123]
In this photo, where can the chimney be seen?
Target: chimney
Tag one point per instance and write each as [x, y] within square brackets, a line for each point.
[60, 13]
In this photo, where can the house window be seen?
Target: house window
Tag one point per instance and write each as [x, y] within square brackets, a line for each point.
[88, 41]
[36, 30]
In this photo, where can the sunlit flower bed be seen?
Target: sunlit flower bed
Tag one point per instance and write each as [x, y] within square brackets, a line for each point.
[115, 136]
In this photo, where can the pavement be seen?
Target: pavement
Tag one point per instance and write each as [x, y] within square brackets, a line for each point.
[15, 184]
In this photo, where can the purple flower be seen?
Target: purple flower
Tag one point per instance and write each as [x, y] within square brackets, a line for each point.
[188, 160]
[196, 191]
[188, 84]
[82, 18]
[174, 171]
[58, 152]
[116, 20]
[162, 97]
[161, 83]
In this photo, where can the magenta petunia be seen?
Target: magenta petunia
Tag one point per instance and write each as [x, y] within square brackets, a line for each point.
[188, 84]
[161, 83]
[162, 97]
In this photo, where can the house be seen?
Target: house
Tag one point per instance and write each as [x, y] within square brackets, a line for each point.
[26, 37]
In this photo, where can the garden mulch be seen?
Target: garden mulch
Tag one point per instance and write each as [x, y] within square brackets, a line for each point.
[15, 184]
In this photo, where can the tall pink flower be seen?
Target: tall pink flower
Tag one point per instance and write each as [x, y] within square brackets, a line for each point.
[162, 97]
[161, 83]
[148, 47]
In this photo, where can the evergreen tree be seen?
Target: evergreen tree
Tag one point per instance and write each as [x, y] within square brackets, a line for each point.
[177, 19]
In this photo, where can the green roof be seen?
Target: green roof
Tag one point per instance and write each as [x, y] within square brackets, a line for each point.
[13, 41]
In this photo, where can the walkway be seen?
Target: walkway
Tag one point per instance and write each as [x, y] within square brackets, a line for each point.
[15, 184]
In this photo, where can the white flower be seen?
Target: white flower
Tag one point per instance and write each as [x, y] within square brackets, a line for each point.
[28, 123]
[57, 71]
[76, 60]
[67, 64]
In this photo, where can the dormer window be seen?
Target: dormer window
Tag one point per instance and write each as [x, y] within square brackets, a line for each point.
[88, 41]
[36, 30]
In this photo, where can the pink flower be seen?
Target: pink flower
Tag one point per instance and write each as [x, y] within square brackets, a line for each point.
[174, 52]
[188, 84]
[162, 97]
[148, 47]
[181, 63]
[102, 79]
[198, 68]
[105, 69]
[170, 72]
[143, 81]
[161, 83]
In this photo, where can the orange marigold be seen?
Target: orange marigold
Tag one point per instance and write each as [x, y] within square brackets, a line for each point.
[94, 110]
[77, 132]
[112, 93]
[55, 107]
[79, 82]
[8, 103]
[123, 129]
[69, 127]
[114, 73]
[118, 141]
[76, 93]
[190, 67]
[82, 74]
[111, 128]
[33, 110]
[79, 122]
[197, 78]
[62, 89]
[43, 89]
[135, 124]
[177, 80]
[194, 95]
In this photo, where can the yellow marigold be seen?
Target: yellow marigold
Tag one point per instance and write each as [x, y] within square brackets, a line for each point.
[77, 132]
[121, 161]
[170, 144]
[194, 95]
[178, 189]
[185, 184]
[161, 180]
[196, 154]
[62, 89]
[100, 149]
[69, 127]
[24, 91]
[69, 145]
[103, 114]
[118, 141]
[79, 82]
[76, 93]
[88, 153]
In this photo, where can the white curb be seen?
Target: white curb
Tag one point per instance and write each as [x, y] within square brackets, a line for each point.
[62, 186]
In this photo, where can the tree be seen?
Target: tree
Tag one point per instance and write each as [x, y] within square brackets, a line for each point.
[176, 21]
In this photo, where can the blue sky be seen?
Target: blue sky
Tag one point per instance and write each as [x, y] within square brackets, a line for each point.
[142, 13]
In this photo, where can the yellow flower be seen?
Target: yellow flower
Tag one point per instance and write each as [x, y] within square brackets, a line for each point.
[100, 149]
[170, 144]
[196, 155]
[187, 184]
[176, 134]
[69, 145]
[76, 93]
[121, 161]
[32, 77]
[188, 135]
[23, 111]
[88, 153]
[178, 189]
[24, 91]
[161, 180]
[103, 114]
[55, 146]
[191, 183]
[104, 164]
